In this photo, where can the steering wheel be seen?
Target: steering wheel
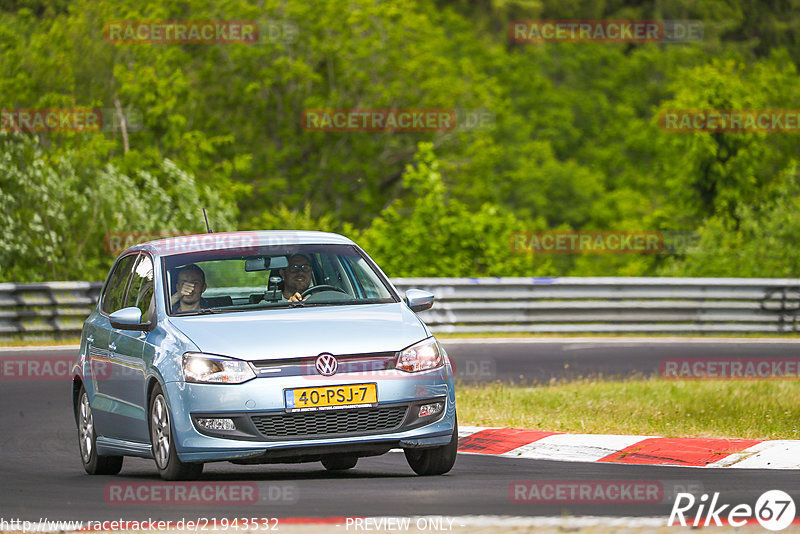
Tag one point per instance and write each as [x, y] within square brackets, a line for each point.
[314, 289]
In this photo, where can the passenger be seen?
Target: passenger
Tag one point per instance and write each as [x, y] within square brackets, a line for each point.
[189, 289]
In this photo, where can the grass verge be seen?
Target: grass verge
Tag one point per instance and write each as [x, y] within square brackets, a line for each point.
[753, 409]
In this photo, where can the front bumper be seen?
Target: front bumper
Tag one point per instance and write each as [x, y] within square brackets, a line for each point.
[264, 398]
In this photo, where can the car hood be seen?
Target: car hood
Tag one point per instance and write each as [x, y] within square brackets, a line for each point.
[298, 332]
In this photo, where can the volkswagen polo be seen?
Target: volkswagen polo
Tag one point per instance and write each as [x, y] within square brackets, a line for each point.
[259, 347]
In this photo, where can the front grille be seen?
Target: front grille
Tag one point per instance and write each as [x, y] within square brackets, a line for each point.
[328, 423]
[304, 366]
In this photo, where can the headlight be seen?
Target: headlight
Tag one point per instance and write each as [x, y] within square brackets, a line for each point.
[420, 357]
[209, 369]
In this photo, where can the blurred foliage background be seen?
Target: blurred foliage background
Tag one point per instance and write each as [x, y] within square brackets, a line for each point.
[575, 143]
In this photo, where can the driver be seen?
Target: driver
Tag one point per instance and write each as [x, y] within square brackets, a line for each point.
[296, 277]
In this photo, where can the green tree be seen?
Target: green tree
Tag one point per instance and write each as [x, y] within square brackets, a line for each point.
[765, 244]
[55, 216]
[430, 234]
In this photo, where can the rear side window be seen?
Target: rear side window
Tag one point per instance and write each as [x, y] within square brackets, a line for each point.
[141, 291]
[115, 290]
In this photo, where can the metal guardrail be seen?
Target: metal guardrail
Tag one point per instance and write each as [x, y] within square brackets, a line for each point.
[696, 305]
[48, 309]
[622, 304]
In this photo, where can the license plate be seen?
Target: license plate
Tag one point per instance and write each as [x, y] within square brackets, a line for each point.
[331, 397]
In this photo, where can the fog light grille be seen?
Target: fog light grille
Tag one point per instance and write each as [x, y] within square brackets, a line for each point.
[216, 423]
[430, 409]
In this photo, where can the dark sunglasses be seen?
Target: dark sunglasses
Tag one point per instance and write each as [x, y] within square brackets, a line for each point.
[297, 268]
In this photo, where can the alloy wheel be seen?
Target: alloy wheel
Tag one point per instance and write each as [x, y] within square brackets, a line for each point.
[159, 425]
[86, 429]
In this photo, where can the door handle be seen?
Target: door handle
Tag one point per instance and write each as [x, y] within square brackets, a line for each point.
[112, 347]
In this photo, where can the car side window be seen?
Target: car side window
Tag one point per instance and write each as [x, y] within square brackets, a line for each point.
[366, 277]
[117, 284]
[140, 294]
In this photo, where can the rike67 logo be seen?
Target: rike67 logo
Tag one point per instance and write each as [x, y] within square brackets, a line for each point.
[774, 510]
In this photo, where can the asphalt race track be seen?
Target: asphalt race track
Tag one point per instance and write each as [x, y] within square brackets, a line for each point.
[539, 360]
[41, 473]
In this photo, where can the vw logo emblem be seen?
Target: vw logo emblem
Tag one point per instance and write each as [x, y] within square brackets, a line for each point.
[326, 364]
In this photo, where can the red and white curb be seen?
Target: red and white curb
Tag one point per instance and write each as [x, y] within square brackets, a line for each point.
[638, 450]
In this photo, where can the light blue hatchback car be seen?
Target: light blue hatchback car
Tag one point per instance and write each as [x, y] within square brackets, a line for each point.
[259, 347]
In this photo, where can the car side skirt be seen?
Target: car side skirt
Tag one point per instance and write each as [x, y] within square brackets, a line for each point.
[119, 447]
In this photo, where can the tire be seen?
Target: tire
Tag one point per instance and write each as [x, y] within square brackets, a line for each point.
[87, 441]
[166, 457]
[339, 463]
[436, 460]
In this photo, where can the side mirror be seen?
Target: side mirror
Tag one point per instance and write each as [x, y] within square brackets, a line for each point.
[419, 300]
[128, 319]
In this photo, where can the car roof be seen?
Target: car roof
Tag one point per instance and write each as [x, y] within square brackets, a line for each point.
[244, 239]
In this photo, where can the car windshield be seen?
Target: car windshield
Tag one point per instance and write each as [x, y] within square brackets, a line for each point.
[230, 280]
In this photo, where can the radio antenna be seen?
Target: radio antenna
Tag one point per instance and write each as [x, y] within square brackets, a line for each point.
[206, 218]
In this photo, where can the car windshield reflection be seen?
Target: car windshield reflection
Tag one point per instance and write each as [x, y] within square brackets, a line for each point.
[273, 277]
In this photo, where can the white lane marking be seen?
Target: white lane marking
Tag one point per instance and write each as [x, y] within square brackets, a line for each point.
[33, 348]
[565, 522]
[589, 346]
[618, 340]
[575, 447]
[775, 454]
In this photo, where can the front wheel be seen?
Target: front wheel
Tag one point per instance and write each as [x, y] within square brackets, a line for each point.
[170, 467]
[436, 460]
[87, 440]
